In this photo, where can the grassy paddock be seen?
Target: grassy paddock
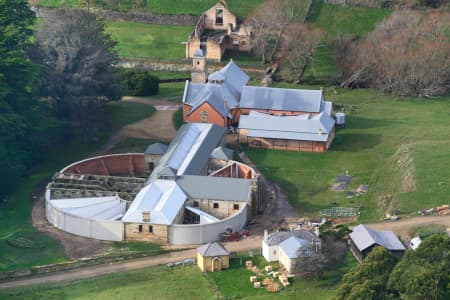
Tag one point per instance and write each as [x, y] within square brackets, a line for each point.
[380, 135]
[159, 42]
[194, 7]
[181, 283]
[21, 245]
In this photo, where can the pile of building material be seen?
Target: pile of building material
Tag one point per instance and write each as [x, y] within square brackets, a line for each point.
[443, 210]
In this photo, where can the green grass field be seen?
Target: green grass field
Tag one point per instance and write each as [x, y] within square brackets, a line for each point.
[181, 283]
[35, 248]
[193, 7]
[393, 145]
[159, 42]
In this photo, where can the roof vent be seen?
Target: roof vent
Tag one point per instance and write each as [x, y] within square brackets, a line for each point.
[145, 216]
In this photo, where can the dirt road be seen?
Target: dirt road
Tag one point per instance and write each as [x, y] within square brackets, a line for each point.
[404, 226]
[94, 271]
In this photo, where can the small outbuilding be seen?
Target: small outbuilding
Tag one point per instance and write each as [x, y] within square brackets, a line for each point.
[363, 239]
[212, 257]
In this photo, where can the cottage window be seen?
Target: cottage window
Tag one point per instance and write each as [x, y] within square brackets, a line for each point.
[204, 116]
[219, 16]
[140, 228]
[236, 206]
[150, 228]
[196, 204]
[216, 205]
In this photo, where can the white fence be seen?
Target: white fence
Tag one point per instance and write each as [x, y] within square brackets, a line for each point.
[180, 234]
[91, 228]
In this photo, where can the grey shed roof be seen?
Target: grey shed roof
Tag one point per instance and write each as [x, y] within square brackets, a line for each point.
[190, 150]
[222, 153]
[295, 247]
[281, 99]
[276, 238]
[216, 188]
[212, 249]
[303, 127]
[156, 149]
[364, 237]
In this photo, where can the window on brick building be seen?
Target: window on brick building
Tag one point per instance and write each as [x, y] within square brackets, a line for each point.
[216, 205]
[204, 116]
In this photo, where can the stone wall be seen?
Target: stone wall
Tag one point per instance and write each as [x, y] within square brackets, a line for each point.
[97, 260]
[148, 18]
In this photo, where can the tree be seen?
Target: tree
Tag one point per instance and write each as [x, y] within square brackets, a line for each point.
[331, 252]
[80, 57]
[423, 273]
[270, 22]
[368, 280]
[17, 77]
[300, 43]
[408, 54]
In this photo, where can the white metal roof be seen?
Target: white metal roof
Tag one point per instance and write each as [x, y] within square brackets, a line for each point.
[162, 198]
[293, 245]
[281, 99]
[302, 127]
[104, 208]
[364, 237]
[207, 217]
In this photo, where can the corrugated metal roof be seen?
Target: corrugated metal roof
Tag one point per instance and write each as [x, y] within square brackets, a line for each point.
[303, 127]
[222, 96]
[156, 149]
[281, 99]
[222, 153]
[162, 198]
[276, 238]
[212, 249]
[209, 218]
[190, 150]
[365, 237]
[216, 188]
[103, 208]
[293, 247]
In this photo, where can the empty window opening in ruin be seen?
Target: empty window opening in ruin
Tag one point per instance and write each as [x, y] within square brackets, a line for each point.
[219, 16]
[150, 228]
[216, 205]
[196, 204]
[236, 206]
[204, 116]
[140, 228]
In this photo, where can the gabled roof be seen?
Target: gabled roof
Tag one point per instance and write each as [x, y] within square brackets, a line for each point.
[222, 153]
[212, 249]
[302, 127]
[222, 92]
[254, 97]
[295, 247]
[156, 149]
[162, 198]
[276, 238]
[216, 188]
[189, 151]
[364, 237]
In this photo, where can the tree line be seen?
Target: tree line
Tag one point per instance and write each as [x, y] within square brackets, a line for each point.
[55, 77]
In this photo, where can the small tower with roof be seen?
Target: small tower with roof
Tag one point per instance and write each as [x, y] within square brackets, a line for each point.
[199, 72]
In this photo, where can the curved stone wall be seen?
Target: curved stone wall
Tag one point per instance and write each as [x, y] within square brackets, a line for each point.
[128, 164]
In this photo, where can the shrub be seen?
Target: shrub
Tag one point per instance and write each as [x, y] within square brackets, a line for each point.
[140, 83]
